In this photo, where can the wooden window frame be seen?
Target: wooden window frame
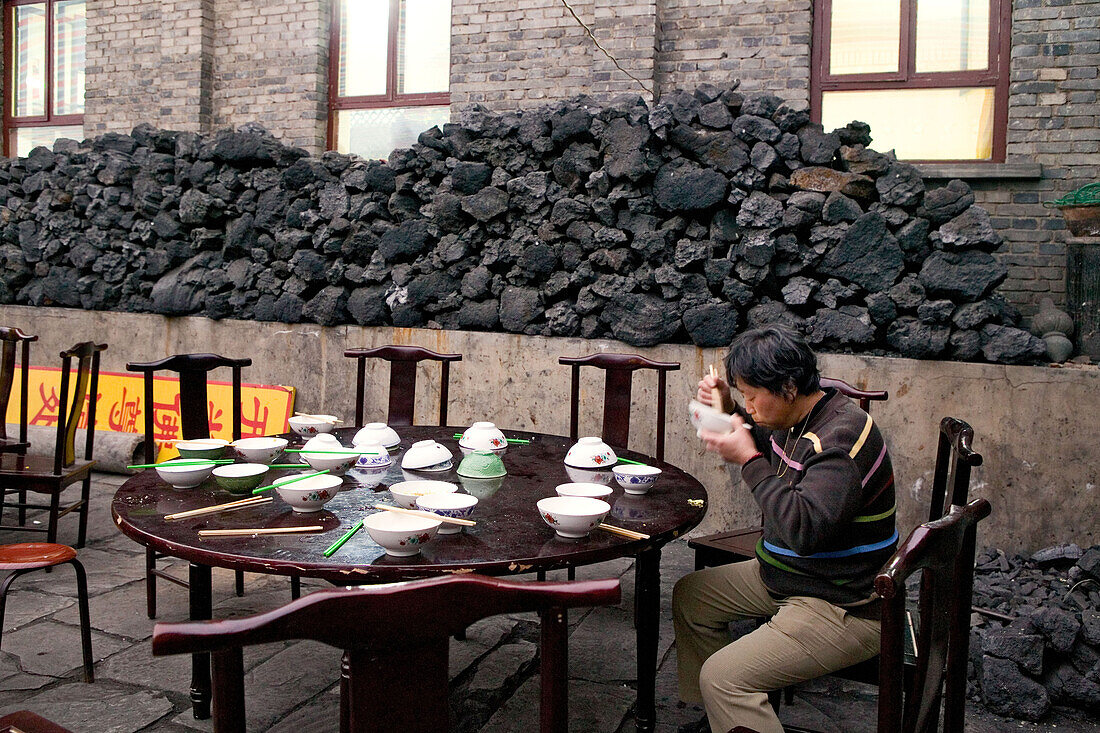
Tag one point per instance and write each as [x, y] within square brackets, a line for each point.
[391, 98]
[996, 73]
[49, 119]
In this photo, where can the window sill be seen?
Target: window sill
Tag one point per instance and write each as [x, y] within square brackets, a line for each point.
[980, 170]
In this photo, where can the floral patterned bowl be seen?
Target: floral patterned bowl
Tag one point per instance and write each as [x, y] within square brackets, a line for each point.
[456, 506]
[590, 452]
[401, 535]
[636, 479]
[483, 436]
[309, 426]
[309, 495]
[573, 516]
[406, 493]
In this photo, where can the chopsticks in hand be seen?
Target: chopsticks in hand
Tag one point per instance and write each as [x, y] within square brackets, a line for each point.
[715, 393]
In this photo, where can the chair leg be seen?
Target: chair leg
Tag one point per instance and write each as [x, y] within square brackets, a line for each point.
[295, 587]
[55, 507]
[571, 573]
[85, 491]
[238, 582]
[22, 509]
[4, 597]
[150, 582]
[85, 619]
[540, 575]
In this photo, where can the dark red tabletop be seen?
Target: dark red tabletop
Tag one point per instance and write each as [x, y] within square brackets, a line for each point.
[510, 536]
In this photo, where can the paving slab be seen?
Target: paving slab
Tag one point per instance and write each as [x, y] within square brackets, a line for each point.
[106, 571]
[25, 606]
[593, 708]
[120, 612]
[97, 708]
[480, 639]
[12, 678]
[502, 663]
[54, 649]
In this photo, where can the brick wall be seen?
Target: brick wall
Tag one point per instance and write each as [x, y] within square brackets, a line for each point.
[765, 44]
[1054, 119]
[146, 62]
[270, 65]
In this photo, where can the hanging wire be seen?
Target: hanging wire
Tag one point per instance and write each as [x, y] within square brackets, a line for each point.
[604, 50]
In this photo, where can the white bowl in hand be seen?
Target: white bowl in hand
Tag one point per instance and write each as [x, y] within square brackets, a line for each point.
[705, 417]
[590, 452]
[573, 516]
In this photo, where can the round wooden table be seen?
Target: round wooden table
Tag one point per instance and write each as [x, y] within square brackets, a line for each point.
[510, 536]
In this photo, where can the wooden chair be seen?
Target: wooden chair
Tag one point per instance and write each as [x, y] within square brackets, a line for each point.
[194, 406]
[403, 361]
[53, 474]
[943, 550]
[24, 721]
[26, 557]
[739, 544]
[619, 376]
[12, 340]
[395, 643]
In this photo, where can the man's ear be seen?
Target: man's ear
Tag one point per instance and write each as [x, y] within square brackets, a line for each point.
[790, 392]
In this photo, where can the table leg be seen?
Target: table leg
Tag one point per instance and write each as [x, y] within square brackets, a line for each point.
[200, 610]
[647, 589]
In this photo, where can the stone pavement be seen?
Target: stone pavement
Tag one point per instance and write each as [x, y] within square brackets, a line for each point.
[292, 688]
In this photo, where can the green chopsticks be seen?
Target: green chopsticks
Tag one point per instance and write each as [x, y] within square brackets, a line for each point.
[518, 441]
[340, 542]
[277, 484]
[191, 462]
[345, 452]
[633, 463]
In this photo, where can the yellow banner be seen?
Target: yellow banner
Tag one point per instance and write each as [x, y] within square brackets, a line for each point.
[120, 405]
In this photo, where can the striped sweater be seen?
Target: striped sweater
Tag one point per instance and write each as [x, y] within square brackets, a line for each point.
[829, 519]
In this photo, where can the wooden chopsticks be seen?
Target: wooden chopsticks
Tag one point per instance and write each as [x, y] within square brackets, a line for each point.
[628, 533]
[715, 393]
[319, 418]
[257, 531]
[426, 515]
[231, 506]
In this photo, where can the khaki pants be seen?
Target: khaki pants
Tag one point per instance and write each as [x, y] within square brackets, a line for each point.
[804, 638]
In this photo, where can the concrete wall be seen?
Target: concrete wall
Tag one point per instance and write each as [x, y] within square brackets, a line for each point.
[1032, 423]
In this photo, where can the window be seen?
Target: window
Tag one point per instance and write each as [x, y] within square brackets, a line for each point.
[44, 60]
[929, 76]
[389, 73]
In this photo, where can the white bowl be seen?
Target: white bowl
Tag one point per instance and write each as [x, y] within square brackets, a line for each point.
[377, 432]
[457, 506]
[636, 479]
[259, 450]
[590, 452]
[307, 426]
[337, 463]
[185, 477]
[594, 491]
[309, 495]
[427, 455]
[367, 478]
[372, 455]
[573, 516]
[705, 417]
[400, 535]
[406, 493]
[589, 476]
[324, 441]
[202, 448]
[483, 436]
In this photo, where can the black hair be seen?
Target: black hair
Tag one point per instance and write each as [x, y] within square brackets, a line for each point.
[772, 358]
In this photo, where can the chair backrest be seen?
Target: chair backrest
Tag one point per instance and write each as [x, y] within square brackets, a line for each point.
[84, 376]
[194, 373]
[12, 339]
[403, 361]
[619, 370]
[395, 642]
[865, 397]
[944, 551]
[955, 457]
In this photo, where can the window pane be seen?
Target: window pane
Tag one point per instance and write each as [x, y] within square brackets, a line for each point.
[952, 35]
[375, 133]
[919, 124]
[26, 139]
[865, 36]
[424, 47]
[29, 63]
[68, 44]
[364, 41]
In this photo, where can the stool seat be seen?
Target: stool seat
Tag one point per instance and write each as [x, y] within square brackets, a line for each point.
[25, 721]
[31, 555]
